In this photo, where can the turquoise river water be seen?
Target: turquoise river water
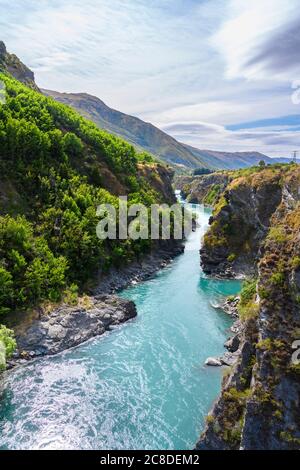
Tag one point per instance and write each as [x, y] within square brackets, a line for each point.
[142, 386]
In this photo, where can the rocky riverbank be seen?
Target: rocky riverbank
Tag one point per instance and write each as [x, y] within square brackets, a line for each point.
[66, 327]
[257, 223]
[229, 358]
[120, 278]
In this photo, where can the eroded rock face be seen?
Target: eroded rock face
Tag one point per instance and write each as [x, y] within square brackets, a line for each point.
[2, 50]
[203, 189]
[11, 63]
[239, 226]
[67, 326]
[259, 404]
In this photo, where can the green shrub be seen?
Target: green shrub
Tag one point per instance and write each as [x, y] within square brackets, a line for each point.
[248, 311]
[248, 291]
[7, 345]
[212, 195]
[6, 290]
[295, 262]
[277, 278]
[277, 234]
[71, 295]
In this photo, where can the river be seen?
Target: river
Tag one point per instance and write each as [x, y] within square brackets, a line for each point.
[142, 386]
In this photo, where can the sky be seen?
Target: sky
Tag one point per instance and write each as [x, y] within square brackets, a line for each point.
[215, 74]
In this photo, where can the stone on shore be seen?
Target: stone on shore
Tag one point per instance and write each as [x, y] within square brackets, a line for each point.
[213, 361]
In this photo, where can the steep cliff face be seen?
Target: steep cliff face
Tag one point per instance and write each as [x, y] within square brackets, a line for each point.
[203, 189]
[160, 179]
[11, 63]
[259, 404]
[240, 223]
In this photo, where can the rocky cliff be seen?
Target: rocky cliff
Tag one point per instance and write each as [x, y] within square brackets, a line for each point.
[240, 222]
[202, 189]
[259, 218]
[11, 64]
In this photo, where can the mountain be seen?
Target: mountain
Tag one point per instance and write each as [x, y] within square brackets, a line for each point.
[11, 64]
[141, 134]
[147, 137]
[233, 160]
[144, 136]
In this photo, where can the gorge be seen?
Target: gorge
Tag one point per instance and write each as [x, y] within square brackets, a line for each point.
[142, 386]
[80, 379]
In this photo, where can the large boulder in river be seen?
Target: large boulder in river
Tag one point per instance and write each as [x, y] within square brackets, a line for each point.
[213, 361]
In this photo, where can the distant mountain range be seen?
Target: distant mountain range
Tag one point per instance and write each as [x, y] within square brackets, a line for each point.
[147, 137]
[143, 135]
[233, 160]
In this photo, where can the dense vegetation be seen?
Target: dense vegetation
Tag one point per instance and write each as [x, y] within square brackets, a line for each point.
[55, 169]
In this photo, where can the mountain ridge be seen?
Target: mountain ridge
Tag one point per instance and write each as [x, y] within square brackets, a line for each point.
[144, 136]
[11, 64]
[147, 137]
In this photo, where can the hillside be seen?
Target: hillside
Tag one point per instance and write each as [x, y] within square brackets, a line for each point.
[11, 64]
[142, 135]
[233, 160]
[55, 169]
[255, 231]
[148, 137]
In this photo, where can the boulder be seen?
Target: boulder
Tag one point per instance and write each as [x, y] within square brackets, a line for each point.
[213, 361]
[232, 344]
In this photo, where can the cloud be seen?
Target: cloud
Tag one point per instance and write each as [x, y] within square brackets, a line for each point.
[260, 38]
[191, 67]
[276, 142]
[287, 122]
[280, 53]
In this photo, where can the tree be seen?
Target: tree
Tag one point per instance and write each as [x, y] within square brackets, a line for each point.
[6, 290]
[7, 345]
[72, 145]
[202, 171]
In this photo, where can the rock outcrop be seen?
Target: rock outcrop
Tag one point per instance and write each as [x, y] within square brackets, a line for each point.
[11, 63]
[162, 254]
[202, 189]
[67, 327]
[259, 404]
[240, 224]
[160, 179]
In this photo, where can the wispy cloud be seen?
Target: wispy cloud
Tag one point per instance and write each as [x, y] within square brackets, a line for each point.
[277, 141]
[260, 38]
[221, 62]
